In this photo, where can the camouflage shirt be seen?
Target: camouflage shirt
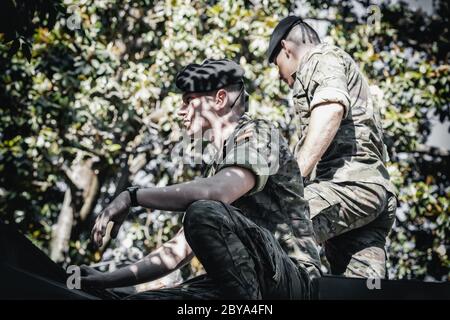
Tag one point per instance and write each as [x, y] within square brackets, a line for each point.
[276, 202]
[357, 153]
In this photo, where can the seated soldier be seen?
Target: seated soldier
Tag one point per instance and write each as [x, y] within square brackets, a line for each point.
[245, 220]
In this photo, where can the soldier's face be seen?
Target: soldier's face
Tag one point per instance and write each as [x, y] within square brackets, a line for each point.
[286, 67]
[196, 113]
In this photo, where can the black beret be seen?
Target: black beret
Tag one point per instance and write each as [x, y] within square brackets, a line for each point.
[279, 33]
[210, 75]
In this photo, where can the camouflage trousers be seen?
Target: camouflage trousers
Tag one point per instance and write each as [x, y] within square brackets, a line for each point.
[352, 221]
[242, 260]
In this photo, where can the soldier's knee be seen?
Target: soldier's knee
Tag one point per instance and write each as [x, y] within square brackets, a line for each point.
[201, 212]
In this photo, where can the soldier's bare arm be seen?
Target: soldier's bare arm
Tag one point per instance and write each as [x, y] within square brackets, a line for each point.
[227, 186]
[324, 123]
[172, 255]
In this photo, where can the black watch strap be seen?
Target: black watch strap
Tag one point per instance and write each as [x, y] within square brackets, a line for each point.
[132, 191]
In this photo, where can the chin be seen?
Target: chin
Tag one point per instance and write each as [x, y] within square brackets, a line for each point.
[290, 83]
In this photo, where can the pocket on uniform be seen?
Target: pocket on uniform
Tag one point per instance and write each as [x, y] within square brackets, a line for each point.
[319, 197]
[328, 224]
[264, 251]
[301, 104]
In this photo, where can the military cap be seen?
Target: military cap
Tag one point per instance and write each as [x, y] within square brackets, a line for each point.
[278, 34]
[210, 75]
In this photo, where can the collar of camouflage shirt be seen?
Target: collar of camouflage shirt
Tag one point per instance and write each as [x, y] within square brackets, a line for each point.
[308, 56]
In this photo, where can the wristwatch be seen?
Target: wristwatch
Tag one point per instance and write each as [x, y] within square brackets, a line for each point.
[132, 191]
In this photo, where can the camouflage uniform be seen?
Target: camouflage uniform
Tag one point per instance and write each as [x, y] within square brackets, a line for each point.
[352, 202]
[263, 245]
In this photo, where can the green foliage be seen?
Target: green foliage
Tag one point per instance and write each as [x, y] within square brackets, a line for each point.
[21, 20]
[105, 93]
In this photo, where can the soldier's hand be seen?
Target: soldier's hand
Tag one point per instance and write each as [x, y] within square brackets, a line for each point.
[91, 278]
[116, 212]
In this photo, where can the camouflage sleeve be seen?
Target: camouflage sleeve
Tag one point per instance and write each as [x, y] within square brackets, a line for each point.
[328, 82]
[249, 149]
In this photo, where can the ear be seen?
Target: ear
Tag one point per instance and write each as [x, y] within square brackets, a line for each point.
[287, 48]
[221, 98]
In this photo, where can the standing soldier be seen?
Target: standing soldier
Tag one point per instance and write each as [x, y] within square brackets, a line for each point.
[340, 150]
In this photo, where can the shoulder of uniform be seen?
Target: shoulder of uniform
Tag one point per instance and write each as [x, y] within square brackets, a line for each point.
[251, 128]
[327, 50]
[264, 126]
[256, 123]
[262, 123]
[312, 58]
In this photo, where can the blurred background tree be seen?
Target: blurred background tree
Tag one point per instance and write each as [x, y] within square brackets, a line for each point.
[88, 107]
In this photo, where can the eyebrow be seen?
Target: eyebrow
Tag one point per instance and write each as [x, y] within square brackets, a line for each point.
[185, 97]
[191, 95]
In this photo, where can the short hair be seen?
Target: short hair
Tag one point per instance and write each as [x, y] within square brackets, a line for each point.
[303, 33]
